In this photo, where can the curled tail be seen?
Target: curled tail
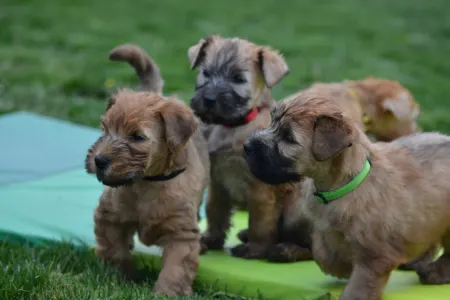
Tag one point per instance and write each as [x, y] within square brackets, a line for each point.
[146, 69]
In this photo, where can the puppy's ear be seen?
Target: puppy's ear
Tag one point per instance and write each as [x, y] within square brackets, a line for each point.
[111, 102]
[196, 53]
[179, 124]
[272, 65]
[331, 136]
[400, 107]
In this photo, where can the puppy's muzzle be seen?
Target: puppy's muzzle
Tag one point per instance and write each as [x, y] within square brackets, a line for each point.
[253, 147]
[267, 164]
[102, 162]
[210, 99]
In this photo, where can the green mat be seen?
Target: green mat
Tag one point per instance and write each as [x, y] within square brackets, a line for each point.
[56, 202]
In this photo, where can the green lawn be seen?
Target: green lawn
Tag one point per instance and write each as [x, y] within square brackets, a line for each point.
[53, 61]
[64, 272]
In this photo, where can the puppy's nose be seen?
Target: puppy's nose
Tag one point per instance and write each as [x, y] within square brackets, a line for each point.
[101, 162]
[210, 98]
[247, 146]
[252, 145]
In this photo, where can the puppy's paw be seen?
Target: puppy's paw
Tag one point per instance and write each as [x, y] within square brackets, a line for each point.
[131, 273]
[249, 251]
[212, 242]
[161, 289]
[437, 272]
[243, 235]
[288, 253]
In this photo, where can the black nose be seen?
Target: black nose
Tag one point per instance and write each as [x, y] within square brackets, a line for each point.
[101, 162]
[248, 146]
[210, 98]
[252, 146]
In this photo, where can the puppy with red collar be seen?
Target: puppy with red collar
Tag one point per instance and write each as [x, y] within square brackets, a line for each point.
[233, 99]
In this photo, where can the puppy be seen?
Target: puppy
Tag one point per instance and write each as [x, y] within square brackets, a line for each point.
[384, 108]
[372, 206]
[155, 167]
[233, 98]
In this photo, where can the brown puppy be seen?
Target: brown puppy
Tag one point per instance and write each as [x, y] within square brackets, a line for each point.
[155, 167]
[233, 97]
[385, 108]
[396, 211]
[382, 108]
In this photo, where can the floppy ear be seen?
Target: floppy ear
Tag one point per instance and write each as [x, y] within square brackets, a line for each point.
[331, 136]
[273, 66]
[111, 102]
[179, 124]
[196, 53]
[400, 107]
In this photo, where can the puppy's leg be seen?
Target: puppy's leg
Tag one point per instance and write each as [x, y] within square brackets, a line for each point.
[437, 272]
[180, 264]
[243, 235]
[263, 217]
[368, 279]
[294, 241]
[114, 241]
[218, 214]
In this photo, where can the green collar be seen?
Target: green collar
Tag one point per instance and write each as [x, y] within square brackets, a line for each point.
[326, 197]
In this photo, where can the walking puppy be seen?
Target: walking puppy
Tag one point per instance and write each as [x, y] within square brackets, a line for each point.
[233, 97]
[385, 108]
[380, 107]
[155, 167]
[375, 206]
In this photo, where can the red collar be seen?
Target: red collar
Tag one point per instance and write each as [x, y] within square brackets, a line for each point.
[248, 118]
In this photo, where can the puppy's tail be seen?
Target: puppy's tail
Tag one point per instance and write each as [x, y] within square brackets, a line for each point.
[146, 69]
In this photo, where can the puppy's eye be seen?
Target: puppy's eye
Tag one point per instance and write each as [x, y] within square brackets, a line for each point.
[205, 73]
[238, 78]
[136, 137]
[287, 136]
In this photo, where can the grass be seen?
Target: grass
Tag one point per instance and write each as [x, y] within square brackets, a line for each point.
[65, 272]
[53, 61]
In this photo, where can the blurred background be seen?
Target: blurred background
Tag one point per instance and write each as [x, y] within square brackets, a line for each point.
[54, 54]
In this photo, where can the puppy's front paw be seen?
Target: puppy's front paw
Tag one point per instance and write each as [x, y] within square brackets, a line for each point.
[160, 289]
[249, 251]
[212, 242]
[288, 253]
[131, 273]
[437, 272]
[243, 235]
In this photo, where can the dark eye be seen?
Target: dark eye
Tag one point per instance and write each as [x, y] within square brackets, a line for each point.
[238, 78]
[286, 135]
[205, 73]
[136, 137]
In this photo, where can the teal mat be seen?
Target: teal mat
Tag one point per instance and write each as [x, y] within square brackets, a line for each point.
[45, 194]
[34, 146]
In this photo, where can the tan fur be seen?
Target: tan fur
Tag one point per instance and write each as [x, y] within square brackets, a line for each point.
[146, 134]
[146, 69]
[397, 213]
[388, 108]
[360, 99]
[232, 184]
